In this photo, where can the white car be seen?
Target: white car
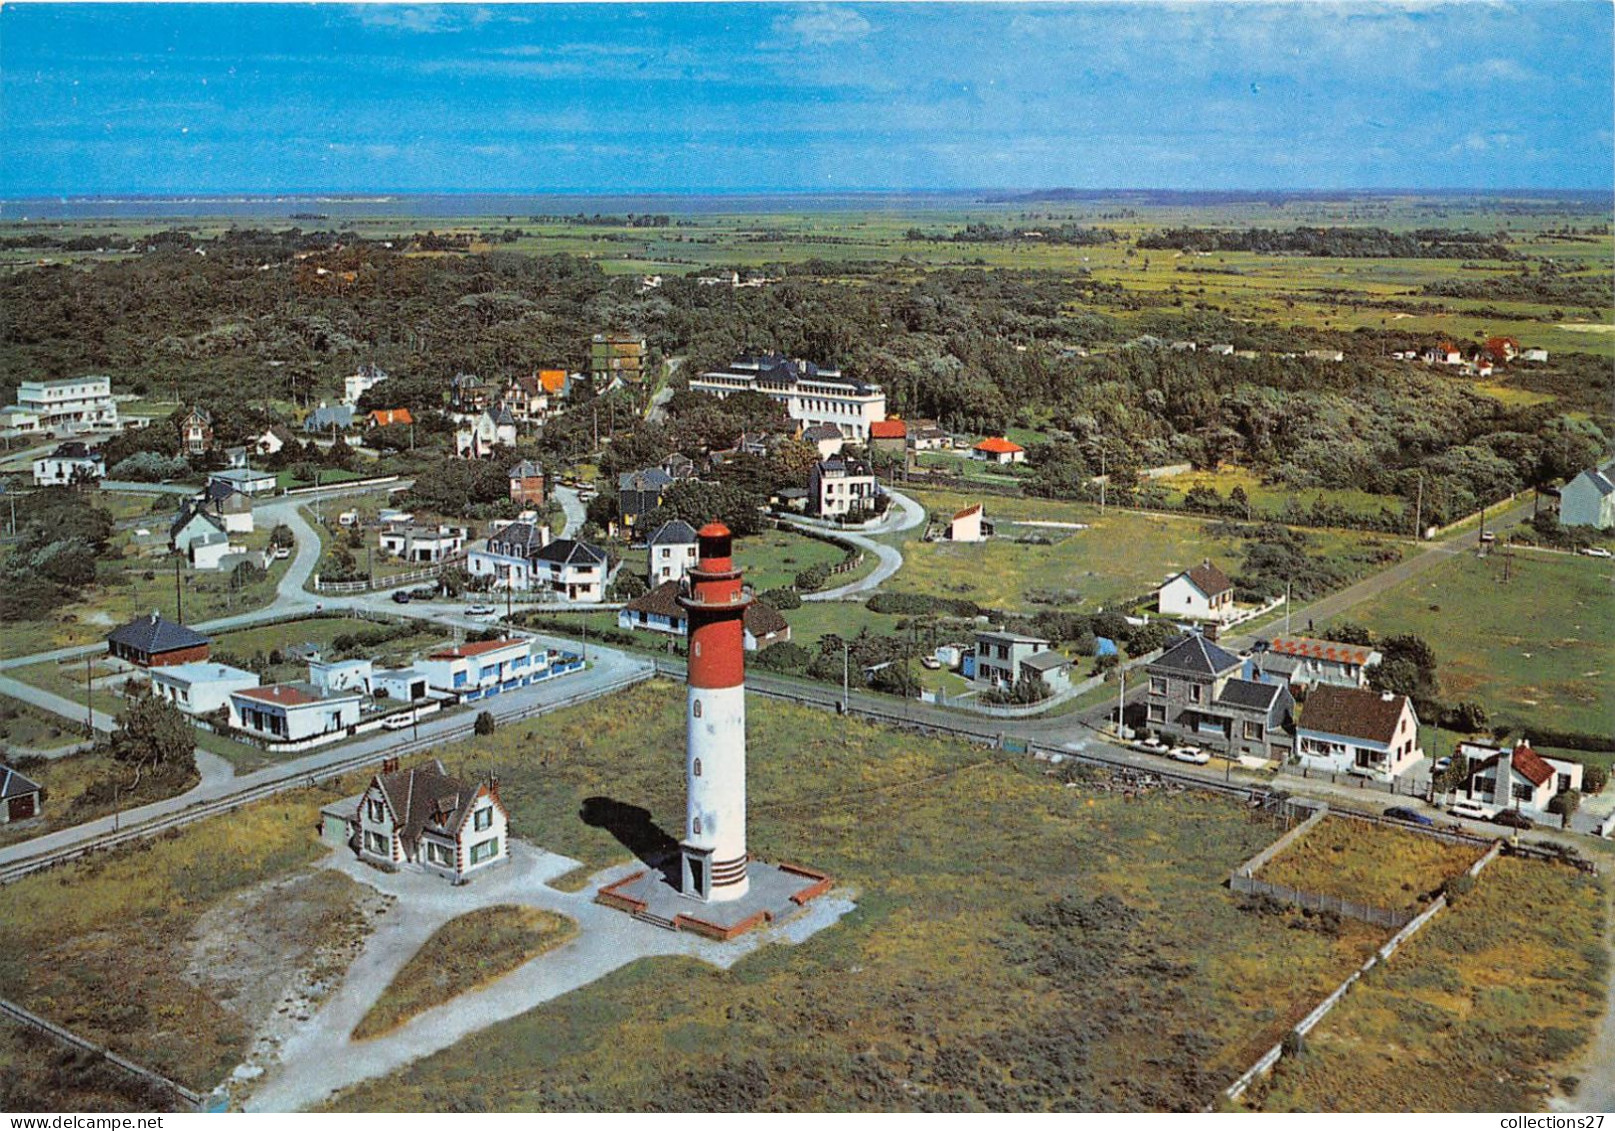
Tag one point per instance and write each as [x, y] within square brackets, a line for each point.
[398, 722]
[1597, 552]
[1153, 746]
[142, 532]
[1191, 754]
[479, 610]
[1474, 810]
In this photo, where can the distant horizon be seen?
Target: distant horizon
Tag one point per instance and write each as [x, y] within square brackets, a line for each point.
[1029, 193]
[720, 99]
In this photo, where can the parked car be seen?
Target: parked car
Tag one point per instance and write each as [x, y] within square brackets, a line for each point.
[1513, 819]
[1399, 813]
[1488, 537]
[424, 593]
[480, 610]
[401, 596]
[930, 663]
[1474, 810]
[142, 532]
[398, 722]
[1154, 746]
[1597, 552]
[1442, 765]
[1192, 754]
[281, 553]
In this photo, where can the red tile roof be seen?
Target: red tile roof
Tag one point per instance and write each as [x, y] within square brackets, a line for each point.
[553, 380]
[382, 417]
[888, 430]
[1527, 762]
[473, 648]
[1321, 649]
[998, 445]
[967, 512]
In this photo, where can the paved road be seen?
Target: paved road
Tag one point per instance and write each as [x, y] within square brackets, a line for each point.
[904, 514]
[319, 1058]
[609, 668]
[656, 411]
[1335, 604]
[576, 513]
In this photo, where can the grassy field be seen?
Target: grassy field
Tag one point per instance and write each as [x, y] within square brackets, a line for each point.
[461, 955]
[1122, 555]
[1366, 863]
[1076, 949]
[1270, 500]
[78, 788]
[1534, 649]
[24, 728]
[1481, 1011]
[104, 945]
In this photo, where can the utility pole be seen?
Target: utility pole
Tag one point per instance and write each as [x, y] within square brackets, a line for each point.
[846, 685]
[89, 700]
[1102, 477]
[179, 596]
[1121, 701]
[1418, 512]
[1286, 607]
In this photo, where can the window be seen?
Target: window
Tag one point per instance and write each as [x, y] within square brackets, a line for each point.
[1157, 712]
[483, 818]
[696, 768]
[376, 810]
[1157, 685]
[1194, 692]
[1253, 730]
[1523, 792]
[377, 844]
[695, 826]
[1564, 783]
[696, 710]
[485, 850]
[439, 854]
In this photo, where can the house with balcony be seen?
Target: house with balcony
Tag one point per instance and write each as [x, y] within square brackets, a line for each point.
[1196, 694]
[811, 394]
[480, 668]
[425, 544]
[70, 463]
[840, 485]
[1352, 730]
[72, 404]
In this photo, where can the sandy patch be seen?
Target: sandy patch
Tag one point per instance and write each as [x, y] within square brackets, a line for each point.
[1588, 327]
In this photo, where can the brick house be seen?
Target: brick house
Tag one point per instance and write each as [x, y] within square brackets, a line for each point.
[152, 641]
[527, 482]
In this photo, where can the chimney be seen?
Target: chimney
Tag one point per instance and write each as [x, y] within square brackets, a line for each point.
[389, 765]
[1387, 696]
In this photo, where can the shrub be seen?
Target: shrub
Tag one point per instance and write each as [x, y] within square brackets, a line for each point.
[786, 657]
[784, 598]
[1294, 1043]
[1594, 779]
[485, 723]
[812, 578]
[921, 604]
[1456, 887]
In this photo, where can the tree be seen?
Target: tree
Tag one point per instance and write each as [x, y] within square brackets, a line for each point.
[485, 723]
[896, 678]
[626, 586]
[1565, 804]
[155, 737]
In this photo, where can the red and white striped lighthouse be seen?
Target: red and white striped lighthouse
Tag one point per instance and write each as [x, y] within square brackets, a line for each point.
[714, 845]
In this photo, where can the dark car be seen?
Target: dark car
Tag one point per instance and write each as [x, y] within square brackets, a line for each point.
[402, 596]
[1514, 819]
[1398, 813]
[425, 593]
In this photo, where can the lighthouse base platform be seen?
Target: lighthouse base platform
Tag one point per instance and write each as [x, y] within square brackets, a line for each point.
[776, 892]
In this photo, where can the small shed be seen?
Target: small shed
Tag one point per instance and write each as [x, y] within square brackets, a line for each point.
[339, 821]
[19, 796]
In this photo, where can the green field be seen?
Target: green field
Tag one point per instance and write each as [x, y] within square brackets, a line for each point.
[954, 970]
[1535, 649]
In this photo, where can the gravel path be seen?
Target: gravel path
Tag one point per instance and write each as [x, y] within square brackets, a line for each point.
[903, 515]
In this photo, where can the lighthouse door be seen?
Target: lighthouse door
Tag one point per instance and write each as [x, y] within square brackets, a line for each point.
[697, 873]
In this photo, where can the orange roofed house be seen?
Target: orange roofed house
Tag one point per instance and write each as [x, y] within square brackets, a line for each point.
[423, 817]
[997, 449]
[888, 438]
[387, 417]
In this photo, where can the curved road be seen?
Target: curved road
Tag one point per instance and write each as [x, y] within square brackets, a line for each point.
[905, 514]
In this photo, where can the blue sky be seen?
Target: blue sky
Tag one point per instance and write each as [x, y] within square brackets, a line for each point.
[667, 97]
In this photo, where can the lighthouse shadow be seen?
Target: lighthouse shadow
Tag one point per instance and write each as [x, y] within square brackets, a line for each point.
[635, 831]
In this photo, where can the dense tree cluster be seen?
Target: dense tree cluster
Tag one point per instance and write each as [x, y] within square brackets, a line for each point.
[1352, 243]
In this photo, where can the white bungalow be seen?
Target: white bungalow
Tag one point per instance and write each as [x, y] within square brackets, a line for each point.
[202, 687]
[1354, 731]
[1533, 780]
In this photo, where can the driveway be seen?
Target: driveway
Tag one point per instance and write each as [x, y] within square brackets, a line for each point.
[320, 1058]
[576, 514]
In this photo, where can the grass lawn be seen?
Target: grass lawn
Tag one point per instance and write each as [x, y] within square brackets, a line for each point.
[78, 788]
[1476, 1013]
[773, 558]
[1016, 945]
[1270, 500]
[322, 631]
[461, 955]
[24, 728]
[1367, 863]
[104, 945]
[1534, 650]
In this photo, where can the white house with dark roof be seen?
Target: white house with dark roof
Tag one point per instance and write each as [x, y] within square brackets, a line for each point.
[670, 551]
[1001, 654]
[329, 420]
[509, 555]
[70, 463]
[246, 480]
[1196, 693]
[416, 543]
[293, 712]
[424, 818]
[1589, 498]
[826, 437]
[573, 570]
[1352, 730]
[1532, 779]
[1202, 592]
[659, 611]
[19, 796]
[200, 687]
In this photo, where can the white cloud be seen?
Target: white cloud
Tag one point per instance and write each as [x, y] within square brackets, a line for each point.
[1489, 71]
[823, 24]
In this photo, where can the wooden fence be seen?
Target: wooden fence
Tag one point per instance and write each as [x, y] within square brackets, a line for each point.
[183, 1097]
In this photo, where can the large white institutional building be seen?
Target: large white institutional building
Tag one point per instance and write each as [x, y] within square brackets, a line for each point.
[811, 394]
